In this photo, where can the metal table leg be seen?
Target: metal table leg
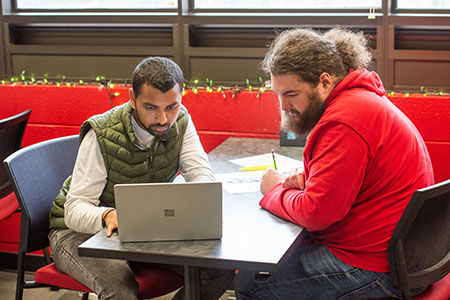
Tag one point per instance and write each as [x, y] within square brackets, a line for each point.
[191, 283]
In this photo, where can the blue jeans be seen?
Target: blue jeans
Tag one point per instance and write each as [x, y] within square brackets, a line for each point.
[313, 272]
[113, 279]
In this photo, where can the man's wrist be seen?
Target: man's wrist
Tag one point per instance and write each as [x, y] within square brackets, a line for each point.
[105, 213]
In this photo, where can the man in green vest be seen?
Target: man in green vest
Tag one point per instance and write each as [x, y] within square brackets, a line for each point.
[148, 139]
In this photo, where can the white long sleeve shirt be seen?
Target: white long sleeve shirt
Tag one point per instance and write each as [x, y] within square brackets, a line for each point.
[81, 211]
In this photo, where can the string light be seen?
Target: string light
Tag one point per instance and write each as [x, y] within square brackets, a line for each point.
[195, 86]
[237, 90]
[220, 89]
[194, 89]
[260, 91]
[248, 85]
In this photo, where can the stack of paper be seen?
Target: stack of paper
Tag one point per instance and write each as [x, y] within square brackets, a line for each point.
[246, 182]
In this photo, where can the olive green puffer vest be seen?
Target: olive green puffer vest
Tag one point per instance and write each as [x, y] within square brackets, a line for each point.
[126, 160]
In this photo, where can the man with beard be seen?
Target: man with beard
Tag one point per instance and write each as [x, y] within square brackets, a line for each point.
[363, 159]
[147, 139]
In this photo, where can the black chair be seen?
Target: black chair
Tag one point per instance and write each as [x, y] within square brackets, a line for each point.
[37, 173]
[11, 133]
[419, 250]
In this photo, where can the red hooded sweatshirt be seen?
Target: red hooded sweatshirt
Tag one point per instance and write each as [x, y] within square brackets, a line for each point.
[363, 160]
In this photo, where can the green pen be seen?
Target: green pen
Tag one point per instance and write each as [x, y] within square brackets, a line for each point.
[274, 161]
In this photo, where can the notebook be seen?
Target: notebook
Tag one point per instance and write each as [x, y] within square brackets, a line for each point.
[169, 211]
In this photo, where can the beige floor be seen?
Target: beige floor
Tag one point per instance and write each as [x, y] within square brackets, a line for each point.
[8, 283]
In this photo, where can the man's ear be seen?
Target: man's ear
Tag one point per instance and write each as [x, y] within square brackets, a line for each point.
[326, 81]
[132, 98]
[325, 85]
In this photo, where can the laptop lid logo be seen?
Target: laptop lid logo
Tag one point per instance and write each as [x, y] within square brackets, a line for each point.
[169, 212]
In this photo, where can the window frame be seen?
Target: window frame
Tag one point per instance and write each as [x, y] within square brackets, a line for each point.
[15, 9]
[186, 8]
[438, 11]
[193, 10]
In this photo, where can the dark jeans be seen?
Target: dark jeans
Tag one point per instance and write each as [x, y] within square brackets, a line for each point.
[114, 279]
[312, 272]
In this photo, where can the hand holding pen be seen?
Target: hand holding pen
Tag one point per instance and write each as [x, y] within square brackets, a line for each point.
[271, 178]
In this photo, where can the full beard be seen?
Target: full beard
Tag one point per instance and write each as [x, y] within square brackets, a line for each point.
[303, 122]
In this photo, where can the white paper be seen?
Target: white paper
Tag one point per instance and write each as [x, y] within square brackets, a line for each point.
[249, 181]
[240, 182]
[284, 163]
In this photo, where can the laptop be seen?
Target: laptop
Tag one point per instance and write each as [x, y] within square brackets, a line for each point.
[169, 211]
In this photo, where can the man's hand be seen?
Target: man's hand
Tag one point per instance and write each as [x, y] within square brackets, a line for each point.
[270, 179]
[110, 220]
[296, 180]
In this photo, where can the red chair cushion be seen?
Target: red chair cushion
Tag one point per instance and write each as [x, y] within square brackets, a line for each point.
[8, 205]
[153, 282]
[49, 274]
[438, 291]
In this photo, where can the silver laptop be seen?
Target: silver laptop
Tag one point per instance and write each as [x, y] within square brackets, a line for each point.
[169, 211]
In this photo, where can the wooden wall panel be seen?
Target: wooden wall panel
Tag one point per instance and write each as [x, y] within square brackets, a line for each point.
[78, 66]
[421, 73]
[225, 69]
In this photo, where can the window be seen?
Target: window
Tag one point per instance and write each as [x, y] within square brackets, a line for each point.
[287, 4]
[96, 4]
[423, 4]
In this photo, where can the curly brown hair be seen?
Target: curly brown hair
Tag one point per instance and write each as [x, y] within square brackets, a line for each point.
[308, 53]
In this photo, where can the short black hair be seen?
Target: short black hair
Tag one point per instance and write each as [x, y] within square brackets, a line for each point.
[159, 72]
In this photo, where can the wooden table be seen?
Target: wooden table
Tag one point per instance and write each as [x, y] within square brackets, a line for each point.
[253, 239]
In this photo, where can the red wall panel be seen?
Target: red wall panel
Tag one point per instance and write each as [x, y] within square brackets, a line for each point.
[59, 105]
[440, 158]
[35, 133]
[431, 115]
[244, 113]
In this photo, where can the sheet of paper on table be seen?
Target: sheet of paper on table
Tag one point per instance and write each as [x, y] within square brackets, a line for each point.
[248, 181]
[284, 163]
